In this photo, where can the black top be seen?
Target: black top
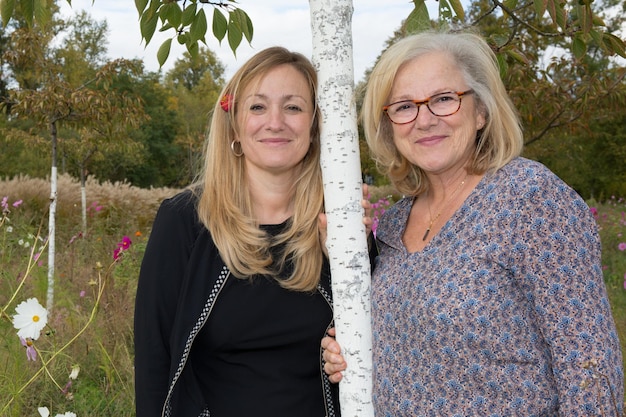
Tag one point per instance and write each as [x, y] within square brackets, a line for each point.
[183, 287]
[258, 354]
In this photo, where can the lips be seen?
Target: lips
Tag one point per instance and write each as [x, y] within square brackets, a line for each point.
[430, 140]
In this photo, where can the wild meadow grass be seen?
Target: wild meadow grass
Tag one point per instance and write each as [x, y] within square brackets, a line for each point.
[90, 285]
[91, 323]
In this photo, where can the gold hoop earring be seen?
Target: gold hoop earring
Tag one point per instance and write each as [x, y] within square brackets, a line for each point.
[232, 148]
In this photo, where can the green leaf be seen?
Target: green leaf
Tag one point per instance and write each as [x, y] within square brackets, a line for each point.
[198, 27]
[585, 16]
[234, 37]
[141, 6]
[148, 24]
[504, 67]
[6, 10]
[540, 7]
[172, 13]
[457, 6]
[614, 44]
[164, 52]
[598, 21]
[189, 13]
[244, 22]
[220, 25]
[510, 4]
[418, 19]
[445, 11]
[27, 8]
[41, 12]
[193, 49]
[579, 47]
[183, 38]
[557, 13]
[596, 36]
[518, 56]
[165, 27]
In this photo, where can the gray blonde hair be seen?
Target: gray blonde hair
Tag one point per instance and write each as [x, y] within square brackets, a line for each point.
[498, 142]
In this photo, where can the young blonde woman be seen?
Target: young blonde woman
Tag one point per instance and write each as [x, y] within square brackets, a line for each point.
[234, 291]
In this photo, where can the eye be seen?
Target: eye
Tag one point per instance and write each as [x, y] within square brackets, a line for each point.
[293, 108]
[402, 107]
[444, 98]
[257, 108]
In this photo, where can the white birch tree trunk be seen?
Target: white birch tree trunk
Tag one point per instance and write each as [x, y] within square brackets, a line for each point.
[83, 207]
[331, 24]
[51, 237]
[52, 217]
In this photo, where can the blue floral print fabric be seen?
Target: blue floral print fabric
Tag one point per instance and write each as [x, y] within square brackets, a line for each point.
[503, 313]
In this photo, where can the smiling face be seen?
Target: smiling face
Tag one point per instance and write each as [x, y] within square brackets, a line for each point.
[436, 144]
[275, 116]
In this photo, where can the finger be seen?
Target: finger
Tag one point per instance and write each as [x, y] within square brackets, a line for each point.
[331, 346]
[334, 364]
[334, 377]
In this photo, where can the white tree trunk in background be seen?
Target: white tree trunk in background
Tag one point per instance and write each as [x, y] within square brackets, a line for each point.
[51, 237]
[83, 206]
[331, 25]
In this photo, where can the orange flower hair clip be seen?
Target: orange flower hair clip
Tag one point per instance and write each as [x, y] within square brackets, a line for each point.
[226, 102]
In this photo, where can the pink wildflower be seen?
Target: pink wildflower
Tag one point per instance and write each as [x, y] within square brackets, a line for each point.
[122, 246]
[125, 243]
[31, 353]
[17, 203]
[76, 236]
[594, 211]
[622, 246]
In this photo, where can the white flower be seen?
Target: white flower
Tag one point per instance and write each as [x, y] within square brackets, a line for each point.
[75, 371]
[20, 242]
[30, 319]
[68, 414]
[9, 229]
[43, 411]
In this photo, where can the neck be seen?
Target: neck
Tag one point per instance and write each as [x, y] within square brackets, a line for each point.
[446, 201]
[272, 201]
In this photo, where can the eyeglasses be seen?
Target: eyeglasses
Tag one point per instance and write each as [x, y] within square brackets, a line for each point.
[442, 105]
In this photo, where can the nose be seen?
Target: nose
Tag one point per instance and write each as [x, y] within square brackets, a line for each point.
[275, 118]
[425, 118]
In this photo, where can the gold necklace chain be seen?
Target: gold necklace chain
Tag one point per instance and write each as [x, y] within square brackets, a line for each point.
[444, 206]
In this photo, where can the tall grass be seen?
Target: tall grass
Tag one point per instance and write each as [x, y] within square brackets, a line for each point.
[84, 264]
[104, 351]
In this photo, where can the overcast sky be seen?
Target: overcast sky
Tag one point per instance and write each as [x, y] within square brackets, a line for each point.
[276, 22]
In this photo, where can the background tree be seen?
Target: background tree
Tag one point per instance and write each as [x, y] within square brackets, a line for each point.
[81, 57]
[48, 99]
[196, 82]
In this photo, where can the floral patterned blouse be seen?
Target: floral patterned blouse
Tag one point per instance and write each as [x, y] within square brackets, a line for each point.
[503, 313]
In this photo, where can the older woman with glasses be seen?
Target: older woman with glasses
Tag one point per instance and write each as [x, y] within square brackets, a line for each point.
[487, 297]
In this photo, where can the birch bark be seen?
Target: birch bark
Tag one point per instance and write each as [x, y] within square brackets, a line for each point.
[331, 25]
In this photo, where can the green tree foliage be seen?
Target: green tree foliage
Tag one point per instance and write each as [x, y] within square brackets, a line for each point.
[195, 82]
[558, 93]
[189, 23]
[159, 160]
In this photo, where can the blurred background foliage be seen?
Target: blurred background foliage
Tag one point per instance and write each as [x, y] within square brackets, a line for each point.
[149, 127]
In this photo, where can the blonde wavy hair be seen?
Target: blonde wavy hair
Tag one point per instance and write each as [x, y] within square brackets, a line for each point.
[225, 205]
[497, 143]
